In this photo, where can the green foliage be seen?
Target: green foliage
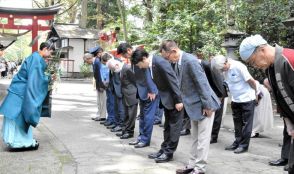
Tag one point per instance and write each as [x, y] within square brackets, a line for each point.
[193, 24]
[85, 69]
[19, 50]
[110, 13]
[263, 17]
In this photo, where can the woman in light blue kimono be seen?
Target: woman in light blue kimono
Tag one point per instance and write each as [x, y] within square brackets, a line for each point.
[23, 104]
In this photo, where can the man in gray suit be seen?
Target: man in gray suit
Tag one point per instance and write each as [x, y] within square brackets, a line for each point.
[170, 99]
[200, 103]
[129, 91]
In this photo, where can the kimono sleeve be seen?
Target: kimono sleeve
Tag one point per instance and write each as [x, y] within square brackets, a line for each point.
[36, 91]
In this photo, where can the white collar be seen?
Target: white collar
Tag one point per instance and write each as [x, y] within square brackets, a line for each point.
[180, 59]
[150, 60]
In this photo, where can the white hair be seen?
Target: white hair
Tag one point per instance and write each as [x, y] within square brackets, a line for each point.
[218, 62]
[112, 62]
[87, 56]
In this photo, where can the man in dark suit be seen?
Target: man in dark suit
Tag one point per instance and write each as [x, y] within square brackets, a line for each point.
[129, 91]
[200, 103]
[216, 82]
[147, 94]
[115, 86]
[170, 99]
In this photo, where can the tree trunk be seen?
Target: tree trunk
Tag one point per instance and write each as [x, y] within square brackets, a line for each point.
[121, 7]
[148, 5]
[83, 20]
[99, 15]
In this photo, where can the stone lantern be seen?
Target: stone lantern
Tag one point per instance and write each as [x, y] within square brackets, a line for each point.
[232, 37]
[289, 22]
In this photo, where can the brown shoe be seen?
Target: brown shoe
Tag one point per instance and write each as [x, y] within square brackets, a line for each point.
[196, 172]
[184, 170]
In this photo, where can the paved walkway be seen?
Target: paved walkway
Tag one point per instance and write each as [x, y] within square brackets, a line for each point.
[70, 142]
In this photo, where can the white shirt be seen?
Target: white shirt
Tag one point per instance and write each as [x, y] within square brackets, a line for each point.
[236, 78]
[180, 59]
[150, 64]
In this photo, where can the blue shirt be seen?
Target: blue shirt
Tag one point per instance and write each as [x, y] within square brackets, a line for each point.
[104, 71]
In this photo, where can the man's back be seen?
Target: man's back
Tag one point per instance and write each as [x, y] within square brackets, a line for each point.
[197, 93]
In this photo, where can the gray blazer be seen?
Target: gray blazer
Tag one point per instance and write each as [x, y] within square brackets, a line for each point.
[196, 91]
[128, 86]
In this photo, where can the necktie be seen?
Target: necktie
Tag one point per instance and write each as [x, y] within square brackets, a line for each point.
[176, 68]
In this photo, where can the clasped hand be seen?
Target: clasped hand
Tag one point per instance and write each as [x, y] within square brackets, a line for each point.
[179, 106]
[151, 96]
[207, 112]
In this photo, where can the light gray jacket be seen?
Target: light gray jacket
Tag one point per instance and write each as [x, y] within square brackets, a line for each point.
[196, 91]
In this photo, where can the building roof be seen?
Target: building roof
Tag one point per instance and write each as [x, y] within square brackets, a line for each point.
[31, 11]
[6, 39]
[73, 31]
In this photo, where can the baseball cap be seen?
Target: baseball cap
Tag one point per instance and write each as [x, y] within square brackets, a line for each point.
[95, 49]
[249, 44]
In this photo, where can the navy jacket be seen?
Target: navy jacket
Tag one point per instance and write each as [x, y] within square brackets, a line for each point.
[97, 74]
[144, 83]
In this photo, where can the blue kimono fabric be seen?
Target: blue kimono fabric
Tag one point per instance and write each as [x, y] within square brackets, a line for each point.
[23, 104]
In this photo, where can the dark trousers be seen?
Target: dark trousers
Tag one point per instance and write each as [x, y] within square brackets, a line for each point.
[172, 130]
[243, 121]
[217, 121]
[119, 111]
[130, 118]
[158, 114]
[291, 158]
[286, 143]
[186, 121]
[148, 109]
[110, 106]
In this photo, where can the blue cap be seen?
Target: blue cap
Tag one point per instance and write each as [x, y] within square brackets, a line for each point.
[95, 49]
[249, 44]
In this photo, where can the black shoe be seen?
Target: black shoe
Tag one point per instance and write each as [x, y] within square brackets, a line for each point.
[102, 122]
[119, 134]
[184, 170]
[185, 132]
[286, 167]
[108, 124]
[22, 149]
[134, 142]
[240, 150]
[279, 162]
[126, 136]
[256, 135]
[111, 126]
[100, 119]
[116, 129]
[36, 147]
[156, 122]
[212, 141]
[94, 118]
[163, 158]
[231, 147]
[155, 155]
[141, 145]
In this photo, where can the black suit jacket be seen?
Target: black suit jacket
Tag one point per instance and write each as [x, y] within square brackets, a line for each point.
[215, 79]
[128, 85]
[115, 83]
[166, 81]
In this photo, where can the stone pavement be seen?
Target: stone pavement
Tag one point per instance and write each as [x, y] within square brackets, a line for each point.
[70, 142]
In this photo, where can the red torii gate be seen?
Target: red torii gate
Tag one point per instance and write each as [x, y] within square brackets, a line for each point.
[35, 14]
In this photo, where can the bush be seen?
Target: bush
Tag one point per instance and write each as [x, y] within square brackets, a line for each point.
[85, 69]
